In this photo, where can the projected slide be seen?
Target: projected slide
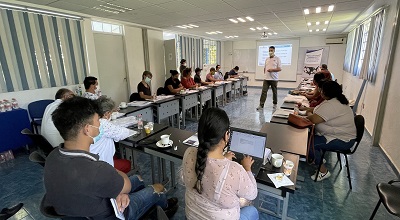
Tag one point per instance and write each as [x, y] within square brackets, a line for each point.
[284, 52]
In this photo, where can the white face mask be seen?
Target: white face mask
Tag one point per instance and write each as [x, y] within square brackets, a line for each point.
[271, 54]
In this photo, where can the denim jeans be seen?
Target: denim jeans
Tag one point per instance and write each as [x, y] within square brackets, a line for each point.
[320, 144]
[248, 213]
[142, 199]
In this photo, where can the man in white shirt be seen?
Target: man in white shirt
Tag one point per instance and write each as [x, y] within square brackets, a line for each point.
[90, 84]
[218, 74]
[271, 68]
[48, 130]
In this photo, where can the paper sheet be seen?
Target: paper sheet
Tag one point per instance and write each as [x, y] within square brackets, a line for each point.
[284, 182]
[160, 97]
[118, 214]
[139, 103]
[125, 121]
[282, 113]
[192, 141]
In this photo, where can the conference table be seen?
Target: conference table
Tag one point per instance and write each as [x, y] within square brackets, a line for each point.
[146, 111]
[217, 91]
[205, 96]
[166, 108]
[188, 100]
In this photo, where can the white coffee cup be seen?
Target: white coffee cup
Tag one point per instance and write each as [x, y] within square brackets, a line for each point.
[165, 139]
[123, 105]
[114, 115]
[277, 160]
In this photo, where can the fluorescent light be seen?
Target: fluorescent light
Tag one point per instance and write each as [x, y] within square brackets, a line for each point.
[249, 18]
[317, 23]
[306, 11]
[181, 27]
[208, 33]
[253, 29]
[310, 30]
[326, 22]
[188, 26]
[324, 29]
[53, 13]
[241, 20]
[12, 6]
[269, 33]
[219, 32]
[330, 8]
[193, 25]
[318, 10]
[236, 36]
[226, 37]
[265, 28]
[275, 33]
[258, 28]
[233, 20]
[317, 30]
[309, 24]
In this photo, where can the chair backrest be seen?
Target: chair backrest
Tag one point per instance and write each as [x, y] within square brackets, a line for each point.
[40, 141]
[359, 121]
[36, 109]
[160, 91]
[36, 157]
[135, 97]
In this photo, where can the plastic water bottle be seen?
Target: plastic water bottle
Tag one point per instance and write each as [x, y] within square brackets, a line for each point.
[7, 105]
[139, 122]
[14, 103]
[2, 107]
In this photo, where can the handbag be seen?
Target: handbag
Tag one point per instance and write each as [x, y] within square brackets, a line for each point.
[301, 122]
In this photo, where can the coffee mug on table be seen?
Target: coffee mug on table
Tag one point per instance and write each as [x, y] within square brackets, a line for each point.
[123, 105]
[165, 139]
[277, 160]
[114, 115]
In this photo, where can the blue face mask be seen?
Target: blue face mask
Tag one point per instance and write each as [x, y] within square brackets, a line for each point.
[99, 136]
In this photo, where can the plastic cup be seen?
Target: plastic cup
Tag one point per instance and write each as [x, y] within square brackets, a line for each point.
[147, 129]
[288, 167]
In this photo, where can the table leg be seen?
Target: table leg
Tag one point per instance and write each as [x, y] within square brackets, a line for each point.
[172, 165]
[183, 115]
[153, 177]
[178, 122]
[164, 170]
[159, 169]
[285, 206]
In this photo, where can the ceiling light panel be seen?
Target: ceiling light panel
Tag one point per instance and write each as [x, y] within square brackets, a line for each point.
[317, 23]
[309, 24]
[318, 10]
[326, 22]
[233, 20]
[253, 29]
[306, 11]
[241, 20]
[258, 28]
[330, 8]
[266, 28]
[249, 18]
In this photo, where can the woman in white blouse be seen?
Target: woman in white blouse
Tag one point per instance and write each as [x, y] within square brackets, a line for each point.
[335, 128]
[214, 183]
[104, 143]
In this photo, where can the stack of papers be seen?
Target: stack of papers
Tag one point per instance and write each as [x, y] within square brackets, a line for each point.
[118, 214]
[119, 114]
[192, 141]
[282, 113]
[160, 97]
[294, 98]
[219, 82]
[202, 87]
[139, 103]
[125, 121]
[284, 182]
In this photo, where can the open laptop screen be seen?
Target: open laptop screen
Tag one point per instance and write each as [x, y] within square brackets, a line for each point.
[247, 143]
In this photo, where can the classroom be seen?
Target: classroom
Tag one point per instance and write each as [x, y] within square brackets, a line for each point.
[169, 92]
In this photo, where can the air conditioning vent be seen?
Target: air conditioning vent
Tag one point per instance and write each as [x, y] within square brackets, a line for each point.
[337, 40]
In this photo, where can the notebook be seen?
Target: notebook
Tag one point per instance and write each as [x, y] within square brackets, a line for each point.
[245, 142]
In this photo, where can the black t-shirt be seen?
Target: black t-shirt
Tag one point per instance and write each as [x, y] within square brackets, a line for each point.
[170, 81]
[78, 184]
[232, 72]
[197, 79]
[142, 88]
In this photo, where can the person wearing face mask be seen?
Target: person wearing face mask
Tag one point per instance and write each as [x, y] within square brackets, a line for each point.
[90, 84]
[78, 184]
[197, 78]
[214, 183]
[172, 85]
[272, 68]
[103, 144]
[187, 80]
[210, 76]
[143, 87]
[183, 66]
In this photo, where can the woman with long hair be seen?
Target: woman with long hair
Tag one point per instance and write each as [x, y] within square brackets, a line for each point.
[335, 128]
[187, 80]
[214, 183]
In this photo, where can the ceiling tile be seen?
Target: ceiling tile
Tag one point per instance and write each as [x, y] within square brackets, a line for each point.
[68, 6]
[242, 4]
[40, 2]
[154, 10]
[136, 4]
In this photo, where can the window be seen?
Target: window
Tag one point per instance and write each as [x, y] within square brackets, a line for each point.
[209, 51]
[364, 41]
[106, 27]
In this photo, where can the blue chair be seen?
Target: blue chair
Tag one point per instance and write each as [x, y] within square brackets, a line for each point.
[36, 111]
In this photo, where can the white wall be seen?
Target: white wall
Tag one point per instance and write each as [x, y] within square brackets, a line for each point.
[335, 60]
[134, 56]
[156, 55]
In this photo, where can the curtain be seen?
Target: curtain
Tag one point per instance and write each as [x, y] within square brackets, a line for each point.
[40, 51]
[191, 49]
[349, 51]
[219, 52]
[355, 69]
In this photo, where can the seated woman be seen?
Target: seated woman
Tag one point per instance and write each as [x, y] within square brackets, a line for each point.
[187, 80]
[314, 97]
[104, 143]
[172, 85]
[143, 87]
[214, 183]
[197, 78]
[210, 76]
[335, 128]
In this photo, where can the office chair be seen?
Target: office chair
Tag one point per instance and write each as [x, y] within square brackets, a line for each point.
[39, 141]
[36, 110]
[135, 97]
[161, 91]
[359, 122]
[50, 212]
[389, 195]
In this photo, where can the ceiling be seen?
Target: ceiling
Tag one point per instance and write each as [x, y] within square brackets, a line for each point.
[284, 17]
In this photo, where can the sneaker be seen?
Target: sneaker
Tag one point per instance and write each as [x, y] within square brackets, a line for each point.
[321, 176]
[260, 108]
[172, 207]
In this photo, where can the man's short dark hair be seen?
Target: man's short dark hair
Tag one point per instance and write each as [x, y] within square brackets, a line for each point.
[324, 66]
[216, 67]
[212, 69]
[146, 73]
[236, 68]
[61, 92]
[272, 47]
[183, 61]
[89, 80]
[72, 115]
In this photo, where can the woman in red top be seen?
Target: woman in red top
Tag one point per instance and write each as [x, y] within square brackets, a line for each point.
[187, 80]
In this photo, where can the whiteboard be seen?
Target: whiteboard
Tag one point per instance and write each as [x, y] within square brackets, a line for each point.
[245, 59]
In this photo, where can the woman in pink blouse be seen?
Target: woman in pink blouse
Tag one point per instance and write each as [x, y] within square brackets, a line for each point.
[187, 80]
[214, 183]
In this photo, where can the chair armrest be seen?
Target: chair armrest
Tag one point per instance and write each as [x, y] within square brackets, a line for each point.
[394, 181]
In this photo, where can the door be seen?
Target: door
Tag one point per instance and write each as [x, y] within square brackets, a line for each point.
[110, 56]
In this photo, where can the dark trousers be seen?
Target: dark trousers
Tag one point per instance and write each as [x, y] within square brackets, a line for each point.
[266, 85]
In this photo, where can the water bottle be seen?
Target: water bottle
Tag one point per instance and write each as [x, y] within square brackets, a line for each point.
[7, 105]
[14, 103]
[139, 122]
[2, 107]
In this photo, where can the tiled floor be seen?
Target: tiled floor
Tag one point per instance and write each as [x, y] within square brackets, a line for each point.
[22, 180]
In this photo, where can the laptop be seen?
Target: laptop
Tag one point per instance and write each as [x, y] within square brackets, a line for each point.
[245, 142]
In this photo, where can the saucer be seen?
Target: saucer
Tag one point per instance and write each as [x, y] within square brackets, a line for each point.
[123, 107]
[164, 145]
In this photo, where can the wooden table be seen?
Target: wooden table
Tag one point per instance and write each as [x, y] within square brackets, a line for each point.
[286, 138]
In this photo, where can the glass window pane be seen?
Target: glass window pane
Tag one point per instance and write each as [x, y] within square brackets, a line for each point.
[107, 27]
[116, 29]
[97, 26]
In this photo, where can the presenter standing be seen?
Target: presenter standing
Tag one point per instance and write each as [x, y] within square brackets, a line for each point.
[272, 68]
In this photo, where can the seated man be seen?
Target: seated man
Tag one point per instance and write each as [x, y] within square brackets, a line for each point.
[90, 84]
[78, 184]
[48, 130]
[197, 78]
[234, 72]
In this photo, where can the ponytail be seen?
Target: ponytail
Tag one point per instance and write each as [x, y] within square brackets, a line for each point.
[201, 160]
[332, 89]
[342, 99]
